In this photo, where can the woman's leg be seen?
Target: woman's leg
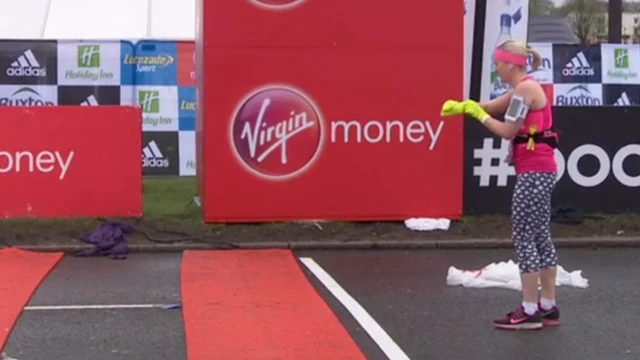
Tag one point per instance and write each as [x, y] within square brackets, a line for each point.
[524, 236]
[547, 251]
[526, 214]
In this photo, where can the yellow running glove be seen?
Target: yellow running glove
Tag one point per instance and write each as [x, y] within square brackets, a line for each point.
[474, 109]
[452, 108]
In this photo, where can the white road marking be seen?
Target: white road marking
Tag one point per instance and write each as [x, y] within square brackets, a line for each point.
[377, 333]
[96, 307]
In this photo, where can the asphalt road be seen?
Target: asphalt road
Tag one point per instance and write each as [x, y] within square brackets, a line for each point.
[404, 292]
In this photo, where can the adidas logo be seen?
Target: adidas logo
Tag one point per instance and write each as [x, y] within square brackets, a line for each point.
[578, 66]
[623, 100]
[90, 101]
[152, 156]
[26, 65]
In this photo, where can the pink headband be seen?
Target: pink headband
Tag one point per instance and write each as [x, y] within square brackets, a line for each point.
[510, 58]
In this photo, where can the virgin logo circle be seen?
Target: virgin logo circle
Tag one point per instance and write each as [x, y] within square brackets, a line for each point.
[277, 132]
[277, 3]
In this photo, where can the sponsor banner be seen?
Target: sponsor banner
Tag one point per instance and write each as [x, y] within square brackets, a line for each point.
[150, 63]
[620, 64]
[578, 94]
[160, 153]
[187, 140]
[89, 95]
[577, 64]
[159, 105]
[469, 23]
[621, 95]
[597, 170]
[53, 172]
[293, 145]
[28, 95]
[92, 73]
[88, 63]
[276, 4]
[328, 149]
[326, 24]
[187, 108]
[186, 64]
[504, 20]
[544, 73]
[28, 62]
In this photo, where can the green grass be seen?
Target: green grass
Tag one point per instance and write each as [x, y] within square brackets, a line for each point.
[163, 198]
[168, 208]
[165, 201]
[170, 199]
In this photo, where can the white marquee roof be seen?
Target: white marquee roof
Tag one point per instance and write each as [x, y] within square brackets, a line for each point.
[98, 19]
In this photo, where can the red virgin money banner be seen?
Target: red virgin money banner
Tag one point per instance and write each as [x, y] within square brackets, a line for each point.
[350, 132]
[70, 161]
[332, 23]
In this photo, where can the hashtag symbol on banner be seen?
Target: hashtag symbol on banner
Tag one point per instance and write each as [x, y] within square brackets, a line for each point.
[487, 169]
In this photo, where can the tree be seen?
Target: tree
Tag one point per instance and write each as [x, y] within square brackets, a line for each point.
[586, 17]
[628, 6]
[541, 7]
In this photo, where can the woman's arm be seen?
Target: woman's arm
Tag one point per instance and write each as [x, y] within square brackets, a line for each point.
[506, 130]
[498, 105]
[524, 92]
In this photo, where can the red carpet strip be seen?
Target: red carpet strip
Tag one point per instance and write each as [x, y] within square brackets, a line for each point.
[257, 305]
[21, 273]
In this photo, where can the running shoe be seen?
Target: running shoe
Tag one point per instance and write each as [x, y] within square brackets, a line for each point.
[550, 317]
[520, 320]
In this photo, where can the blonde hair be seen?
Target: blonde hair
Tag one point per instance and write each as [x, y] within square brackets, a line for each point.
[520, 48]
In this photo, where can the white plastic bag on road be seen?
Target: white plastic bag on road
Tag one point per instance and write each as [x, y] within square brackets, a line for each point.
[506, 275]
[427, 224]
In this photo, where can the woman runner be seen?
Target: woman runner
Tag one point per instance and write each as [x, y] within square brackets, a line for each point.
[529, 126]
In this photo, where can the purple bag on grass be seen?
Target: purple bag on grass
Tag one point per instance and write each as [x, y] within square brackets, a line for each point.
[108, 239]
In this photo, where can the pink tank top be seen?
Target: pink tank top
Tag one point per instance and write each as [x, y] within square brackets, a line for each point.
[542, 157]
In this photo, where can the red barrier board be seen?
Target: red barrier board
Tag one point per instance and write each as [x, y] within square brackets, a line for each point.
[70, 161]
[186, 64]
[295, 24]
[349, 132]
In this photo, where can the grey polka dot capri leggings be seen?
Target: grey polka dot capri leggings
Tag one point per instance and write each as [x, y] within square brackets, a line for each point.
[531, 221]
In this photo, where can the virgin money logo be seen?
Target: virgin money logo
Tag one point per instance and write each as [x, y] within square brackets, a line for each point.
[277, 132]
[277, 4]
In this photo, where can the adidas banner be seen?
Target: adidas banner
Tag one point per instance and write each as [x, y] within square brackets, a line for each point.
[620, 95]
[28, 62]
[160, 152]
[589, 75]
[89, 95]
[577, 64]
[158, 76]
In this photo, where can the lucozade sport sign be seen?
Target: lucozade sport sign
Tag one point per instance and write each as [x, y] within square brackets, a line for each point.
[310, 111]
